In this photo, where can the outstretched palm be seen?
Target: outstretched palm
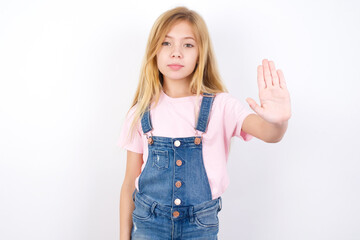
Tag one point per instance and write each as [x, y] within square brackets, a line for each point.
[273, 94]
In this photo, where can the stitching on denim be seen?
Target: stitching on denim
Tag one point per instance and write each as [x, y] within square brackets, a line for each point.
[207, 210]
[207, 225]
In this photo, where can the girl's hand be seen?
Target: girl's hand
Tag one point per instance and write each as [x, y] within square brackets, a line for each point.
[273, 94]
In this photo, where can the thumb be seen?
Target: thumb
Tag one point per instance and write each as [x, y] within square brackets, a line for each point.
[254, 106]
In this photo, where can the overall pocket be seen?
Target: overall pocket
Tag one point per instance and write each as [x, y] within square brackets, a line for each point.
[160, 158]
[208, 217]
[141, 211]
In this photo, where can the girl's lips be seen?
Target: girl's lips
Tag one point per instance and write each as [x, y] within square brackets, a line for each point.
[175, 66]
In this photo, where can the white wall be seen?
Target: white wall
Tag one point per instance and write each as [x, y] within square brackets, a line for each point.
[69, 69]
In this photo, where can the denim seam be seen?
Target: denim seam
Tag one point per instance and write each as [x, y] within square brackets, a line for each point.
[206, 210]
[206, 225]
[142, 218]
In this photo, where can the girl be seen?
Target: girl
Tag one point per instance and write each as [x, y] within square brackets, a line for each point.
[178, 130]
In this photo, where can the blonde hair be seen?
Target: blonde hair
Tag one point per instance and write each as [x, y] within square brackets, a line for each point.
[205, 79]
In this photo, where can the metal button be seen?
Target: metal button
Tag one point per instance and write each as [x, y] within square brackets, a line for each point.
[177, 201]
[197, 140]
[178, 162]
[176, 214]
[178, 184]
[177, 143]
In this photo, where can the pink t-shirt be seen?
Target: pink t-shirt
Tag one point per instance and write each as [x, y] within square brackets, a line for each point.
[175, 117]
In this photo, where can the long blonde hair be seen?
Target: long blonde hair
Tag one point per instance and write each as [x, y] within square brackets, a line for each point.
[205, 79]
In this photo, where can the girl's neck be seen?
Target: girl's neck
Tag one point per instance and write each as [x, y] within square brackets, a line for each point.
[177, 91]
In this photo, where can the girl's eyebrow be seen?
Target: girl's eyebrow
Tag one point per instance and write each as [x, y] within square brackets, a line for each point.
[167, 36]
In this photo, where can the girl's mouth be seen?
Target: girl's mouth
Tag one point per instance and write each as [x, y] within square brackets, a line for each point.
[175, 66]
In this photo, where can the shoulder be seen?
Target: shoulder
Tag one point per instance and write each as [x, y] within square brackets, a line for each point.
[226, 99]
[131, 111]
[130, 116]
[224, 96]
[230, 105]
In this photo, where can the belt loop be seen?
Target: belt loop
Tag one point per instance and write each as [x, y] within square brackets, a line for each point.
[191, 213]
[220, 203]
[153, 207]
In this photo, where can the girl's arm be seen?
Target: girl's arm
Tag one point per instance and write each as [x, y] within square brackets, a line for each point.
[259, 128]
[133, 169]
[271, 120]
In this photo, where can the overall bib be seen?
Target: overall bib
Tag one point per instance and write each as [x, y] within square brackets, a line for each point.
[174, 200]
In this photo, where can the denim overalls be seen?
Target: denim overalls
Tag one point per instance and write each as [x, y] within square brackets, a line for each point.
[174, 200]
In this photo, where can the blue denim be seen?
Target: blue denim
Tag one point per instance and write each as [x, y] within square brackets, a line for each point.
[174, 200]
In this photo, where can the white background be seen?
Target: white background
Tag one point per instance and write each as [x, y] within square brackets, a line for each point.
[68, 72]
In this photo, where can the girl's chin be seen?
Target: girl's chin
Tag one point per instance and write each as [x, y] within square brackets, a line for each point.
[176, 78]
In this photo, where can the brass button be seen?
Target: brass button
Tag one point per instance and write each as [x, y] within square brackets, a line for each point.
[178, 184]
[197, 140]
[177, 201]
[177, 143]
[176, 214]
[178, 162]
[150, 140]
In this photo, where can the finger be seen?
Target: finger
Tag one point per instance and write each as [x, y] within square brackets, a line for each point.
[267, 74]
[275, 78]
[260, 77]
[282, 79]
[254, 106]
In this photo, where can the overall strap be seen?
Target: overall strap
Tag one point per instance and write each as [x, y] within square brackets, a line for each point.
[203, 117]
[145, 121]
[205, 108]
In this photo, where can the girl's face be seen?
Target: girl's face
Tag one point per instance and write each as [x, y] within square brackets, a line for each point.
[178, 54]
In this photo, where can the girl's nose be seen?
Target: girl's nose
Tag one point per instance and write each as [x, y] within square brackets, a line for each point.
[176, 52]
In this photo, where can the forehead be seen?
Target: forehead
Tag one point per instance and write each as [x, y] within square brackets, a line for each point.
[181, 29]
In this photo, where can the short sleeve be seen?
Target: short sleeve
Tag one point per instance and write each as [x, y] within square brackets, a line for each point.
[235, 113]
[135, 144]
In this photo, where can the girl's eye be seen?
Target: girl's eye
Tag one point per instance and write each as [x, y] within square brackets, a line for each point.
[189, 45]
[165, 43]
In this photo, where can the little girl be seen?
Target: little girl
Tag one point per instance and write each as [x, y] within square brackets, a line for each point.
[178, 130]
